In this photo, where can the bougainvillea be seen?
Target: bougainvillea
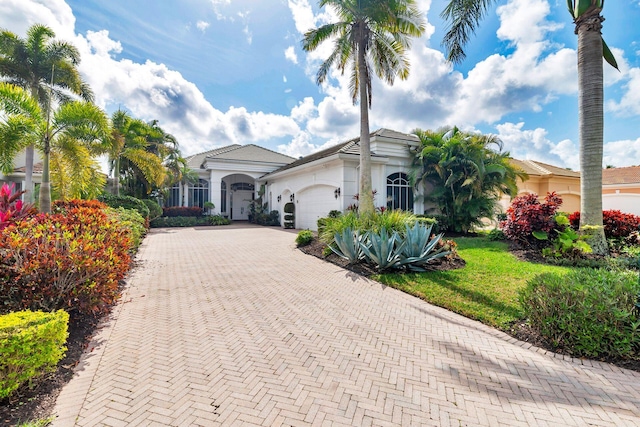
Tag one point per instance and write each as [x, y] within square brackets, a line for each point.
[616, 223]
[71, 261]
[527, 214]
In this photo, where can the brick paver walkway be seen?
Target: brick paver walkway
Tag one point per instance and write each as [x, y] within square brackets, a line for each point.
[234, 326]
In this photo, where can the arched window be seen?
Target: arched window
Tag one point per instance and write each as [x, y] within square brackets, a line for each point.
[174, 196]
[223, 196]
[242, 186]
[399, 192]
[199, 193]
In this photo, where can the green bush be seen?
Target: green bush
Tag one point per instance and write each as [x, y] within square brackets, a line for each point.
[218, 220]
[31, 344]
[126, 202]
[588, 312]
[304, 237]
[155, 210]
[179, 221]
[130, 220]
[496, 234]
[396, 220]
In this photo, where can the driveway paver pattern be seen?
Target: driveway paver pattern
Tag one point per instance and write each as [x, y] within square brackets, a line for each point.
[228, 326]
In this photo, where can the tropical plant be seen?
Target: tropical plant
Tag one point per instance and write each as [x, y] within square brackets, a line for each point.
[383, 249]
[466, 174]
[304, 237]
[420, 247]
[70, 137]
[527, 215]
[46, 69]
[463, 17]
[12, 208]
[370, 36]
[347, 245]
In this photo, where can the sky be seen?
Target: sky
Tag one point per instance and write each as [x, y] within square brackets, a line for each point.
[220, 72]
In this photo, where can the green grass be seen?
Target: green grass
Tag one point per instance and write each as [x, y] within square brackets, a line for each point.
[486, 289]
[38, 423]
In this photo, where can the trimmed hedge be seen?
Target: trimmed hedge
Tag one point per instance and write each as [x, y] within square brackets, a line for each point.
[126, 202]
[588, 312]
[131, 221]
[189, 221]
[31, 344]
[174, 211]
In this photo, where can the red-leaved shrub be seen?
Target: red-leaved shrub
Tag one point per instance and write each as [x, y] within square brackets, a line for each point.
[616, 223]
[526, 215]
[183, 211]
[12, 208]
[61, 206]
[70, 261]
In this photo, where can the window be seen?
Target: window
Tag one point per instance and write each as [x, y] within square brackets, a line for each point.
[174, 197]
[399, 192]
[199, 193]
[242, 186]
[223, 196]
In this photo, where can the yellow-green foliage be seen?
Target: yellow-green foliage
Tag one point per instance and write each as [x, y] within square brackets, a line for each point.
[31, 344]
[131, 220]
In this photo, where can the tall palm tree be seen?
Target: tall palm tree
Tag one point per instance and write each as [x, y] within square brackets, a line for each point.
[464, 16]
[370, 36]
[46, 68]
[73, 132]
[467, 175]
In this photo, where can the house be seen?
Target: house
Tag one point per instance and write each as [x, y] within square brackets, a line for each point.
[621, 189]
[545, 178]
[231, 177]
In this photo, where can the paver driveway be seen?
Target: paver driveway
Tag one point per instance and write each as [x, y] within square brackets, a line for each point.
[234, 326]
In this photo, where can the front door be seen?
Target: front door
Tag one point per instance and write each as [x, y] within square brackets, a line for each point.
[240, 200]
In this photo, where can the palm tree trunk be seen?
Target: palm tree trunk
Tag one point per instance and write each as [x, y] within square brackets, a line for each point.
[28, 174]
[366, 191]
[591, 124]
[116, 177]
[45, 187]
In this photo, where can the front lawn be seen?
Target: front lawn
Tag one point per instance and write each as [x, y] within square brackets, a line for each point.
[486, 289]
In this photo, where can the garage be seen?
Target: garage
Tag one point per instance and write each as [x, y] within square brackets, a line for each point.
[313, 203]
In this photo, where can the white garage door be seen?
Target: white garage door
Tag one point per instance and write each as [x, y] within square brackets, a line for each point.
[313, 203]
[625, 202]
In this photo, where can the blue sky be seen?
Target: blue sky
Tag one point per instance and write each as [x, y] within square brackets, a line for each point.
[216, 72]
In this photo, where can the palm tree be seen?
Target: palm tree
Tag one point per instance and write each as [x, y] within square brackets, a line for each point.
[18, 124]
[73, 133]
[467, 176]
[370, 36]
[46, 68]
[464, 16]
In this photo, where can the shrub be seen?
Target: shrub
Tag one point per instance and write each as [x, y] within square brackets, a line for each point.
[272, 218]
[496, 234]
[396, 220]
[126, 202]
[185, 211]
[72, 261]
[588, 312]
[527, 215]
[155, 210]
[304, 237]
[31, 344]
[11, 207]
[62, 206]
[183, 221]
[334, 214]
[616, 224]
[218, 220]
[131, 221]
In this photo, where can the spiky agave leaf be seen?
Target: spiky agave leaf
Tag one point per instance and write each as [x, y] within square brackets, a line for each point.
[383, 249]
[347, 244]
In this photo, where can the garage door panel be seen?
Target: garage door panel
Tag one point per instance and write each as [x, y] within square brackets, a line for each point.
[313, 203]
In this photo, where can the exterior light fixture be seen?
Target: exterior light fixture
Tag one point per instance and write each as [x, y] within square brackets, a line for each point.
[336, 192]
[279, 198]
[292, 196]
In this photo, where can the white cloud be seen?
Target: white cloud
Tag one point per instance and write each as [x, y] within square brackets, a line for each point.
[629, 104]
[290, 54]
[622, 153]
[202, 25]
[302, 15]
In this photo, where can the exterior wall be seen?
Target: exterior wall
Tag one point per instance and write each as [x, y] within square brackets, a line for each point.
[622, 197]
[566, 187]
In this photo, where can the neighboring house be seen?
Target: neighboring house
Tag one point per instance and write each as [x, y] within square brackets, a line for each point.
[17, 176]
[545, 178]
[621, 189]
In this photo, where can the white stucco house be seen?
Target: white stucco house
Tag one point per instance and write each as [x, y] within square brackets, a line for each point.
[232, 176]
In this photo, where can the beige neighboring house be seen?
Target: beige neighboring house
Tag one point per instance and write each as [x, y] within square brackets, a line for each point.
[545, 178]
[621, 189]
[17, 176]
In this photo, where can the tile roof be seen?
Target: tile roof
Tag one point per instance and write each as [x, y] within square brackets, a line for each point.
[248, 152]
[535, 168]
[351, 146]
[37, 168]
[627, 175]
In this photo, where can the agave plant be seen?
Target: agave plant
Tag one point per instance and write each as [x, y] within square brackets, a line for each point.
[420, 248]
[383, 249]
[347, 244]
